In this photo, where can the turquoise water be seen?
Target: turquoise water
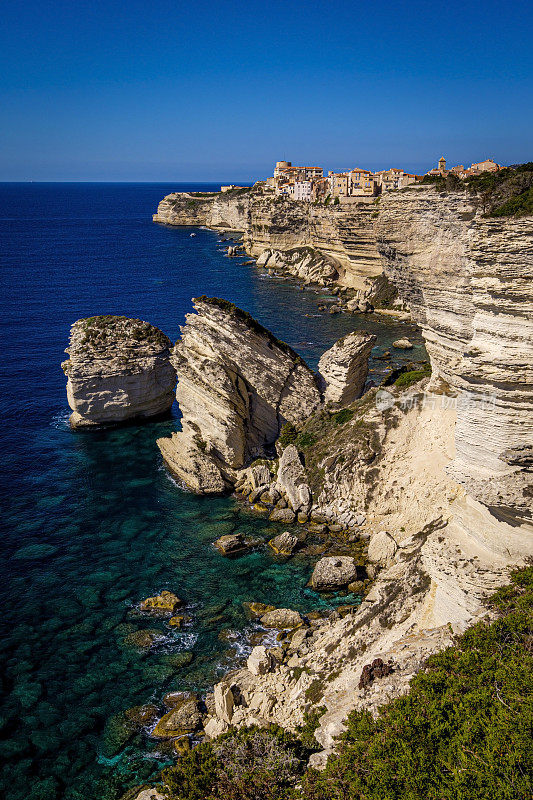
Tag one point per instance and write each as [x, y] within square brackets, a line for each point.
[92, 522]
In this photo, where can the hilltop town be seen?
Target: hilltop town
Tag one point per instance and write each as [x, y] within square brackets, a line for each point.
[309, 184]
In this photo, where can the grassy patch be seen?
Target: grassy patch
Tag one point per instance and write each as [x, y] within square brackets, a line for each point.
[407, 379]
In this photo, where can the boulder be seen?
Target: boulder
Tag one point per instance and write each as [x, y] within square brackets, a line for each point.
[172, 699]
[285, 544]
[344, 368]
[230, 544]
[381, 549]
[224, 702]
[259, 661]
[118, 370]
[292, 480]
[215, 727]
[333, 572]
[402, 344]
[184, 718]
[285, 515]
[161, 604]
[142, 640]
[281, 618]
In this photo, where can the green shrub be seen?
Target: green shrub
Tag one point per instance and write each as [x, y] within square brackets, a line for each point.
[336, 202]
[287, 435]
[464, 730]
[248, 764]
[407, 379]
[343, 416]
[305, 439]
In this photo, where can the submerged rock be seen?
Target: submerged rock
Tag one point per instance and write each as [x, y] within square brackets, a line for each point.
[142, 640]
[161, 604]
[119, 369]
[230, 544]
[344, 368]
[237, 386]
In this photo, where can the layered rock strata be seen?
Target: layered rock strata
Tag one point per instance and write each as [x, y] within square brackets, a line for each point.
[344, 369]
[118, 370]
[318, 244]
[237, 386]
[467, 280]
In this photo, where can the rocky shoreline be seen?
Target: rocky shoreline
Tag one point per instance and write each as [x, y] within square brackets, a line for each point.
[428, 478]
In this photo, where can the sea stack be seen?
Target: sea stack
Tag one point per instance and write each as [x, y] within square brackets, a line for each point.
[118, 370]
[344, 369]
[237, 386]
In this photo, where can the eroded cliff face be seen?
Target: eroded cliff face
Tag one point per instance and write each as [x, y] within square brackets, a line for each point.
[118, 370]
[467, 280]
[340, 237]
[237, 386]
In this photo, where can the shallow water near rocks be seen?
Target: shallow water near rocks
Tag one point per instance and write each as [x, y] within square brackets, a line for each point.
[92, 521]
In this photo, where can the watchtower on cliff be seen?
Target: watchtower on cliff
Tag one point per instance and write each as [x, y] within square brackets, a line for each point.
[442, 164]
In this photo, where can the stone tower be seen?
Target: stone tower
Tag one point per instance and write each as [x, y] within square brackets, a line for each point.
[442, 164]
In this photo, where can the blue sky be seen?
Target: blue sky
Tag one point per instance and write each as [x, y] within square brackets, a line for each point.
[175, 91]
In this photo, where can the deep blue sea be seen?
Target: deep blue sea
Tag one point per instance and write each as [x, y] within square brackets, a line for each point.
[92, 523]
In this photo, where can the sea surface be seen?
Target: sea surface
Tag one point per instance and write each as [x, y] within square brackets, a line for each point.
[91, 521]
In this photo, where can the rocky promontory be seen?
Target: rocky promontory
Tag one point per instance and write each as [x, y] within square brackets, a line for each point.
[322, 244]
[237, 386]
[118, 370]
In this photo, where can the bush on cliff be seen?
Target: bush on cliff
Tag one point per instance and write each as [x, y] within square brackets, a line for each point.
[464, 730]
[248, 764]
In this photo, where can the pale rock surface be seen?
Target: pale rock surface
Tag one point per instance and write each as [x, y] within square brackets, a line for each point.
[402, 344]
[281, 618]
[467, 280]
[344, 369]
[118, 370]
[215, 727]
[381, 549]
[333, 572]
[284, 544]
[259, 661]
[292, 480]
[224, 702]
[237, 386]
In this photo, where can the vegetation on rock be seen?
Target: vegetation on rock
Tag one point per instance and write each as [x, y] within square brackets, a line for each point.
[506, 193]
[464, 730]
[462, 733]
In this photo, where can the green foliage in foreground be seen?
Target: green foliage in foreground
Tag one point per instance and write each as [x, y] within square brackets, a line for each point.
[464, 730]
[248, 764]
[462, 733]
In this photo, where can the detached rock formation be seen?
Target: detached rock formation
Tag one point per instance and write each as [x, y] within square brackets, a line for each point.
[467, 280]
[119, 370]
[237, 386]
[344, 369]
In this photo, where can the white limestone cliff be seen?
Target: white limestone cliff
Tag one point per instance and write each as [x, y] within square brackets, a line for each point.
[237, 386]
[118, 370]
[467, 280]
